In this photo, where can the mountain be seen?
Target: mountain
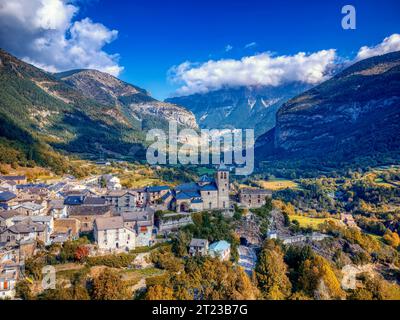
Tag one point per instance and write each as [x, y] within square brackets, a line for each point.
[42, 115]
[354, 114]
[241, 107]
[131, 100]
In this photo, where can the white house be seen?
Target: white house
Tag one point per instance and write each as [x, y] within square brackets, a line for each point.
[112, 182]
[47, 221]
[30, 209]
[58, 209]
[9, 272]
[110, 234]
[8, 280]
[220, 249]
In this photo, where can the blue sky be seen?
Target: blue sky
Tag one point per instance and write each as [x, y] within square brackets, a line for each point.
[154, 35]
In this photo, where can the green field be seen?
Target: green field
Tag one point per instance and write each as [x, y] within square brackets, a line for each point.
[277, 184]
[306, 222]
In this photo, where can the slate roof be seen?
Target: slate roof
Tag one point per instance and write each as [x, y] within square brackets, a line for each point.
[192, 186]
[187, 195]
[157, 188]
[136, 216]
[12, 178]
[7, 196]
[94, 201]
[254, 191]
[27, 226]
[32, 185]
[209, 187]
[30, 206]
[109, 223]
[56, 204]
[88, 210]
[7, 214]
[57, 187]
[121, 193]
[73, 200]
[198, 242]
[196, 201]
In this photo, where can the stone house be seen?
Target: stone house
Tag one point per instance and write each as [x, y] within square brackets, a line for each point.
[17, 179]
[220, 250]
[47, 221]
[57, 209]
[253, 198]
[29, 209]
[7, 199]
[6, 218]
[24, 231]
[198, 247]
[9, 272]
[111, 235]
[8, 186]
[155, 194]
[126, 200]
[67, 228]
[88, 214]
[132, 218]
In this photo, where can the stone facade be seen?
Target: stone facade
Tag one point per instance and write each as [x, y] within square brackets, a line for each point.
[126, 200]
[206, 194]
[253, 198]
[88, 214]
[111, 235]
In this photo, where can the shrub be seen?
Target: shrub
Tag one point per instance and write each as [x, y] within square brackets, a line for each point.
[122, 260]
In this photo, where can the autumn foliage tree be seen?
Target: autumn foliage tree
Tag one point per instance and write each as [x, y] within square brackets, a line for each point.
[271, 273]
[81, 253]
[159, 292]
[204, 279]
[392, 239]
[318, 279]
[109, 286]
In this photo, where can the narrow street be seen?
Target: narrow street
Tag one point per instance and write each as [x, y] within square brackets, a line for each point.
[247, 259]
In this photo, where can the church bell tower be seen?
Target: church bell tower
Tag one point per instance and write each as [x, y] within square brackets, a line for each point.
[222, 182]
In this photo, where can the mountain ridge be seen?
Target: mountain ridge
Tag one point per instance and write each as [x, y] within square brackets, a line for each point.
[242, 107]
[355, 113]
[42, 117]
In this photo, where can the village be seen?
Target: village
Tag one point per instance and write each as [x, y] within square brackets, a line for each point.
[33, 215]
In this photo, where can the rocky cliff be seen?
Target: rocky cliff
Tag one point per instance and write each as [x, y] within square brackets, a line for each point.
[356, 113]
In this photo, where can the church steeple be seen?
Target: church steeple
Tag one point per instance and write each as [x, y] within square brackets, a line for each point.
[222, 182]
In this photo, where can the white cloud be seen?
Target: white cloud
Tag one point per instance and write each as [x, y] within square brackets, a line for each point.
[250, 45]
[389, 44]
[262, 69]
[228, 48]
[42, 32]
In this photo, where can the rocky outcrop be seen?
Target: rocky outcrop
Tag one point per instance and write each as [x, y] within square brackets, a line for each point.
[355, 113]
[242, 107]
[133, 101]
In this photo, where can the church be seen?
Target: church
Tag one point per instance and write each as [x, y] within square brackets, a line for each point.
[206, 194]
